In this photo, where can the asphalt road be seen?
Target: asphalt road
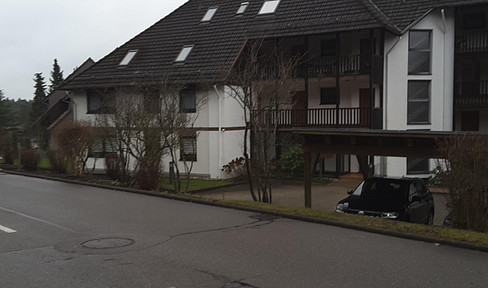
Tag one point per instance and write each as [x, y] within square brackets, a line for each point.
[54, 234]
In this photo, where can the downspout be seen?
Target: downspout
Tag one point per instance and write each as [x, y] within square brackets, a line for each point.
[221, 140]
[444, 31]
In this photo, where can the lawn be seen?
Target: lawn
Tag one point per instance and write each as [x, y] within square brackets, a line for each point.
[195, 184]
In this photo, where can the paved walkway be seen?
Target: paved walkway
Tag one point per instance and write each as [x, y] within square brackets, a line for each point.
[324, 197]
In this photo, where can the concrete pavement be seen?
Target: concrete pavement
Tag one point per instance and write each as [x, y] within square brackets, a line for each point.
[324, 196]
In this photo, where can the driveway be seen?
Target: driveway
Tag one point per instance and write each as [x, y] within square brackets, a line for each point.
[324, 197]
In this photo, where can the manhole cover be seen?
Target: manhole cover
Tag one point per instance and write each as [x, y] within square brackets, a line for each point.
[107, 243]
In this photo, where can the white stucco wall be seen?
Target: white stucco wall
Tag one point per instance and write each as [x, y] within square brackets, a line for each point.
[441, 77]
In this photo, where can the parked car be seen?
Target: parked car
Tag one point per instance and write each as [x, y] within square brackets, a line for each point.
[404, 199]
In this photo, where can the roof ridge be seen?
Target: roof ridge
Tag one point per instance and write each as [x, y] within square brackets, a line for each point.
[380, 15]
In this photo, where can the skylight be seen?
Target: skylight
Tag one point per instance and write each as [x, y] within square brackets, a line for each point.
[242, 8]
[128, 57]
[210, 14]
[184, 53]
[269, 7]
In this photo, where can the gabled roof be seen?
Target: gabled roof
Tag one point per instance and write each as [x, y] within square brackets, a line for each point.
[216, 43]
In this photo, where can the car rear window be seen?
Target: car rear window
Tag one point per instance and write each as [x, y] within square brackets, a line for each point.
[384, 188]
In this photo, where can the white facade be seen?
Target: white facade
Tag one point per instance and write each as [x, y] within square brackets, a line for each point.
[441, 24]
[219, 124]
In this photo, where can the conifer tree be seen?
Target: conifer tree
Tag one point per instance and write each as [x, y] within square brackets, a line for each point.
[56, 76]
[38, 108]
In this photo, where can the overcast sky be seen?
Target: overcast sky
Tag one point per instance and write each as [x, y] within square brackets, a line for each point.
[35, 32]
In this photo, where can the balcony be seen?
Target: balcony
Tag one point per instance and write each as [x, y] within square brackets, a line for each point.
[348, 65]
[472, 42]
[471, 94]
[326, 118]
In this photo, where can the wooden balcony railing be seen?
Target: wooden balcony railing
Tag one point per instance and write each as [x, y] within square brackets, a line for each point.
[472, 94]
[472, 41]
[327, 117]
[348, 64]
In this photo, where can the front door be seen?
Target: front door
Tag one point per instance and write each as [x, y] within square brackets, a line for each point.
[299, 112]
[364, 107]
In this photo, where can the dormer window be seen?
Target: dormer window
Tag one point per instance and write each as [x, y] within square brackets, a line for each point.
[210, 14]
[128, 57]
[242, 8]
[185, 52]
[269, 7]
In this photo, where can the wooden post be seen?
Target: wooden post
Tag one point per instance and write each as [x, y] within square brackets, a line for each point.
[308, 177]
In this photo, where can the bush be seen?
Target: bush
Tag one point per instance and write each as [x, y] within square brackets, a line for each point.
[30, 159]
[57, 160]
[112, 166]
[292, 160]
[467, 167]
[147, 174]
[235, 168]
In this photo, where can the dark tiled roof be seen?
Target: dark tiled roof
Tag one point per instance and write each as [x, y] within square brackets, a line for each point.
[217, 43]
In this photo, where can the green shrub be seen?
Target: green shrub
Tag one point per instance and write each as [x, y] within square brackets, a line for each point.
[292, 160]
[57, 160]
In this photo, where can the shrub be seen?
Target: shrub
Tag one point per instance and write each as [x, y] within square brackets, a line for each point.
[467, 167]
[236, 167]
[57, 160]
[147, 174]
[30, 159]
[112, 166]
[73, 140]
[292, 160]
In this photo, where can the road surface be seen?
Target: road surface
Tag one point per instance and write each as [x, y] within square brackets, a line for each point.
[54, 234]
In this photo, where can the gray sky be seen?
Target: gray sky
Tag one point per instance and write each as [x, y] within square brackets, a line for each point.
[35, 32]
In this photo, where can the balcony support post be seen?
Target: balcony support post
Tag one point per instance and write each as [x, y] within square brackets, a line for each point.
[338, 76]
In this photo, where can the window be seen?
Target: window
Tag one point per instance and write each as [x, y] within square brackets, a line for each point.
[418, 102]
[188, 148]
[474, 21]
[417, 166]
[103, 146]
[152, 102]
[185, 52]
[98, 103]
[128, 57]
[269, 7]
[242, 8]
[328, 47]
[419, 52]
[328, 96]
[210, 14]
[188, 100]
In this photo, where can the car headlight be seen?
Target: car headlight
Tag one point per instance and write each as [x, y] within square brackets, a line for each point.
[340, 208]
[389, 215]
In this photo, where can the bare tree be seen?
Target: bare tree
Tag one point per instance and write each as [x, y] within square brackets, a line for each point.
[258, 83]
[180, 108]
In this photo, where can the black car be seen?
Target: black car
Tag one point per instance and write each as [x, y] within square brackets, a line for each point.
[404, 199]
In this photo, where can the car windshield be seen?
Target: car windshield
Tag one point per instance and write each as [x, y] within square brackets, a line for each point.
[384, 188]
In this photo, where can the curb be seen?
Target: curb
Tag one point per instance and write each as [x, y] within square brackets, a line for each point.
[216, 203]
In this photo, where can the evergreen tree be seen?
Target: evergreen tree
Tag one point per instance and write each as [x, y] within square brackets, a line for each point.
[38, 108]
[56, 76]
[4, 113]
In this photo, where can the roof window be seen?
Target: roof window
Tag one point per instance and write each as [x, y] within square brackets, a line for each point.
[128, 57]
[184, 53]
[269, 7]
[210, 14]
[242, 8]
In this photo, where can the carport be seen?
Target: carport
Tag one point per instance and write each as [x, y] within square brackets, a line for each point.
[366, 143]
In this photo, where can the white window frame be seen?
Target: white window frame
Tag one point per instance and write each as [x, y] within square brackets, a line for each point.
[210, 14]
[269, 7]
[184, 53]
[128, 57]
